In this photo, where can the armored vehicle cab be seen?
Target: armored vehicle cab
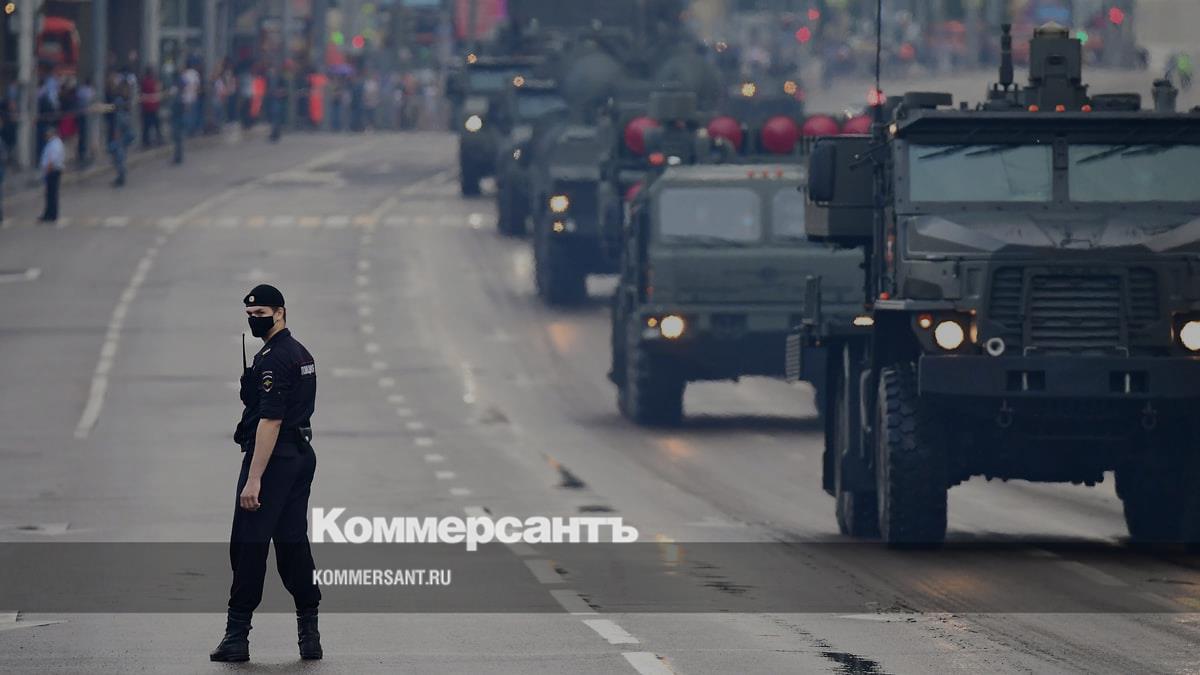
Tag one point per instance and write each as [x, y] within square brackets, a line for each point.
[714, 272]
[529, 110]
[1034, 297]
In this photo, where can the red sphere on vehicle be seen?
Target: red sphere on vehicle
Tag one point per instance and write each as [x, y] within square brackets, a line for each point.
[635, 133]
[727, 128]
[857, 125]
[820, 125]
[780, 134]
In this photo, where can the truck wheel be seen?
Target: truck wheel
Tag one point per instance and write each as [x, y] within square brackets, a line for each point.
[653, 391]
[1158, 491]
[857, 510]
[910, 465]
[558, 281]
[468, 181]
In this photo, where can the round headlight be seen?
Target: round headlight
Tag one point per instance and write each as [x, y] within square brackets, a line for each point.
[559, 203]
[671, 326]
[949, 335]
[474, 123]
[1189, 336]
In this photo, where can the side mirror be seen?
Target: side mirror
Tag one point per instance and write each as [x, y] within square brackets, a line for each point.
[822, 172]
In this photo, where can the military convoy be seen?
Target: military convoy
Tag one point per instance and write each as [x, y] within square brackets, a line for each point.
[1032, 299]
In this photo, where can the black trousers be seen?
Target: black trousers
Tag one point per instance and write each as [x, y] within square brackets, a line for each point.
[282, 518]
[52, 180]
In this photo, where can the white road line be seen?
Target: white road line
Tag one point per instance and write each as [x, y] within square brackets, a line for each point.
[610, 631]
[371, 347]
[116, 221]
[283, 221]
[460, 492]
[368, 329]
[364, 265]
[364, 311]
[1091, 573]
[434, 458]
[30, 274]
[423, 441]
[445, 475]
[395, 399]
[362, 280]
[647, 663]
[337, 221]
[572, 601]
[415, 426]
[112, 341]
[404, 412]
[387, 382]
[543, 570]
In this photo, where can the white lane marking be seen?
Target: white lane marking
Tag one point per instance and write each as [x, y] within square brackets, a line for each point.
[283, 221]
[368, 329]
[423, 441]
[414, 426]
[647, 663]
[1091, 573]
[395, 399]
[170, 222]
[364, 311]
[396, 221]
[572, 601]
[387, 382]
[337, 221]
[404, 412]
[434, 458]
[362, 280]
[116, 221]
[460, 492]
[609, 630]
[379, 365]
[30, 274]
[543, 570]
[445, 475]
[371, 347]
[112, 341]
[364, 265]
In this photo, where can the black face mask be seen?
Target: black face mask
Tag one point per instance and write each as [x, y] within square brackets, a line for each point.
[261, 325]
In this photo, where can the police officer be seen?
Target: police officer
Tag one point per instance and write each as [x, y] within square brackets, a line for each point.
[278, 390]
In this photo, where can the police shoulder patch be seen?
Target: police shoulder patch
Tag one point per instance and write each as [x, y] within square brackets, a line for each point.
[268, 380]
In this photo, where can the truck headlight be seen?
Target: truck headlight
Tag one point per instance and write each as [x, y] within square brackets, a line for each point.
[474, 123]
[949, 335]
[672, 326]
[1189, 336]
[559, 203]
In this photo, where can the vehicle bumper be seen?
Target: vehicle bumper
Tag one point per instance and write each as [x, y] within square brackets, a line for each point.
[1061, 377]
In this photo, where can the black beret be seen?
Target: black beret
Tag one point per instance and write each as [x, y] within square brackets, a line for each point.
[264, 295]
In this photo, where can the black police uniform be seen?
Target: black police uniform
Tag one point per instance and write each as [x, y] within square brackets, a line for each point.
[281, 385]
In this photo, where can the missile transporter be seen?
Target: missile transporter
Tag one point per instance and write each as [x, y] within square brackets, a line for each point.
[531, 107]
[1033, 299]
[715, 261]
[477, 92]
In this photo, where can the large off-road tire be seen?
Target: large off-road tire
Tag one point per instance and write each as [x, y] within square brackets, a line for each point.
[652, 391]
[857, 510]
[910, 463]
[559, 281]
[468, 178]
[1160, 493]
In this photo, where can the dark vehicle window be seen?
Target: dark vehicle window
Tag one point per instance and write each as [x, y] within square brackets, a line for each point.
[491, 80]
[709, 214]
[980, 173]
[532, 106]
[1134, 173]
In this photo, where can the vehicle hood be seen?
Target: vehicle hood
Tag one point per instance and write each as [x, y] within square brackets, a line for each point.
[758, 274]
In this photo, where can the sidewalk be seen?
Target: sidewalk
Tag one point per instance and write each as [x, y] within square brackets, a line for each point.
[23, 185]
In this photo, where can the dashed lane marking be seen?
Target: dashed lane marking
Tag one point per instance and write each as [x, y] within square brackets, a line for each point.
[460, 492]
[434, 458]
[404, 412]
[445, 475]
[609, 630]
[423, 441]
[395, 399]
[387, 382]
[543, 570]
[414, 426]
[648, 663]
[572, 601]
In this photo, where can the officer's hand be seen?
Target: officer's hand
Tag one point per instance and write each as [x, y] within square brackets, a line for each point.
[249, 498]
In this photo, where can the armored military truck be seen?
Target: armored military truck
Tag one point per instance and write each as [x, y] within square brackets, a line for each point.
[1033, 299]
[530, 109]
[714, 273]
[477, 92]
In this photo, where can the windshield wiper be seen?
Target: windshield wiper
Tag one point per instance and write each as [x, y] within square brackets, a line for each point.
[992, 150]
[1122, 150]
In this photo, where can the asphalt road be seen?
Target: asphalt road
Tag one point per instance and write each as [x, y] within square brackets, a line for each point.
[447, 389]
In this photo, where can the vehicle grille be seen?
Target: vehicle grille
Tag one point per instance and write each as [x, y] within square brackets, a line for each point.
[1074, 313]
[1143, 297]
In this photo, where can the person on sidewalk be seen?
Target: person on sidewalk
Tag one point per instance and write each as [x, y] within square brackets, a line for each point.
[178, 120]
[278, 390]
[151, 96]
[121, 131]
[52, 164]
[85, 95]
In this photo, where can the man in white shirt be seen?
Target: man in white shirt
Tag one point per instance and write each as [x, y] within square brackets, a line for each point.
[54, 160]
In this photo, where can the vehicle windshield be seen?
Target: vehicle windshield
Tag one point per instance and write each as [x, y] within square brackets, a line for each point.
[531, 106]
[491, 79]
[709, 215]
[1134, 173]
[980, 173]
[787, 217]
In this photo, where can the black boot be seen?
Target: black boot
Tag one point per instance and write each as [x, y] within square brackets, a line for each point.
[235, 646]
[310, 637]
